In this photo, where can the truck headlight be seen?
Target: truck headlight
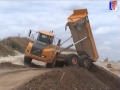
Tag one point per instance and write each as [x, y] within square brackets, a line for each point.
[43, 56]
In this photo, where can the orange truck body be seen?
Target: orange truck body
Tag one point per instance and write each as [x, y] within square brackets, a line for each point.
[48, 53]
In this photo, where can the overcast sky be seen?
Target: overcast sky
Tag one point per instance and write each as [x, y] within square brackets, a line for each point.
[21, 16]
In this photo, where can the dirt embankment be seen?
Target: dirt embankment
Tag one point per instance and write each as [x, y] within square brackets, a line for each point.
[106, 77]
[8, 45]
[74, 78]
[4, 50]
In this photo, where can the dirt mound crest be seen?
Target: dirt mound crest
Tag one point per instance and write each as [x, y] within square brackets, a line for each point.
[68, 78]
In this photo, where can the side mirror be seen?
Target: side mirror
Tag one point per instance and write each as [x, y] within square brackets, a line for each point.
[66, 26]
[59, 42]
[30, 33]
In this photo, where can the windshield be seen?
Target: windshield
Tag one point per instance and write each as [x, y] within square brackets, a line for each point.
[44, 38]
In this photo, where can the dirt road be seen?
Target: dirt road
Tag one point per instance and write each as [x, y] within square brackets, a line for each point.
[12, 76]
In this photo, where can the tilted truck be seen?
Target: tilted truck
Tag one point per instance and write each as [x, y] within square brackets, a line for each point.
[45, 49]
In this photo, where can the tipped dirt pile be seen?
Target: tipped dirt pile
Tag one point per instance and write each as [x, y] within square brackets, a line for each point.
[16, 43]
[4, 50]
[106, 77]
[72, 78]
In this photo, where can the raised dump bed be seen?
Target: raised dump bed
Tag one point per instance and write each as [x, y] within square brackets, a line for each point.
[80, 29]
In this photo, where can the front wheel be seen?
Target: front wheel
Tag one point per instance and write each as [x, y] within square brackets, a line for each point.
[27, 61]
[51, 65]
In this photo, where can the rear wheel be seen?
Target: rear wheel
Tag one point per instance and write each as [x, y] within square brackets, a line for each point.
[27, 60]
[85, 61]
[72, 60]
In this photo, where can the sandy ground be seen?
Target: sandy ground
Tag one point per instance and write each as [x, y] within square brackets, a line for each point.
[115, 66]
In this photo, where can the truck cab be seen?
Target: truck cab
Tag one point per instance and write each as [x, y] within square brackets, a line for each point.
[42, 48]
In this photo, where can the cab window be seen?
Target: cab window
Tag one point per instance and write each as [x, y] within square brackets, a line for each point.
[44, 38]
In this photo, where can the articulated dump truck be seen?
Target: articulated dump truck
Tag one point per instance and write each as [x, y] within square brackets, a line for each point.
[45, 49]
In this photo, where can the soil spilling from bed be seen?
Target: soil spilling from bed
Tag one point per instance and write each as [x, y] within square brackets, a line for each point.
[74, 78]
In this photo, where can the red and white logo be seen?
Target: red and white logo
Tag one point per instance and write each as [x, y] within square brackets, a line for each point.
[113, 5]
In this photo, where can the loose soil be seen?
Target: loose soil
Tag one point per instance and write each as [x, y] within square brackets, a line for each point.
[74, 78]
[34, 77]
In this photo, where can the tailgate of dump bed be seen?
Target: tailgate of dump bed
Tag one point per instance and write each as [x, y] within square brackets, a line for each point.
[80, 28]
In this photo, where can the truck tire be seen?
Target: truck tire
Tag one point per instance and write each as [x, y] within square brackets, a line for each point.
[51, 65]
[85, 61]
[72, 60]
[27, 60]
[59, 63]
